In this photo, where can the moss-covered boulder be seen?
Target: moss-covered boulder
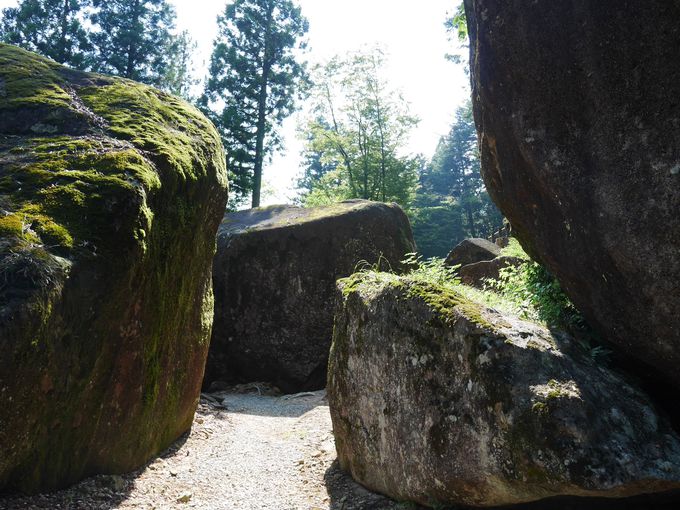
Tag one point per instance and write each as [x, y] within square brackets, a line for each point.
[440, 401]
[274, 278]
[110, 196]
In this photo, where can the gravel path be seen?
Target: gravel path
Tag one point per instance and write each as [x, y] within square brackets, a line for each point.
[246, 450]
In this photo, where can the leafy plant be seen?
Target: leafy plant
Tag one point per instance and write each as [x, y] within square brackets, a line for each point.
[536, 292]
[432, 270]
[355, 136]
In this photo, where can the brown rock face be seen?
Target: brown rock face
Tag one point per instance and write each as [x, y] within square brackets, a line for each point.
[576, 104]
[437, 400]
[472, 250]
[274, 278]
[478, 273]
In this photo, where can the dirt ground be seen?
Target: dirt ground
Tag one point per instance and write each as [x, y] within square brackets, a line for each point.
[247, 449]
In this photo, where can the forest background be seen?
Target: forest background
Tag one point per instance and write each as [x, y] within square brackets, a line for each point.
[315, 101]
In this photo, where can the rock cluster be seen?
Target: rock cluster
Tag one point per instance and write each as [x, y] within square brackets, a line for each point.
[110, 196]
[477, 274]
[479, 260]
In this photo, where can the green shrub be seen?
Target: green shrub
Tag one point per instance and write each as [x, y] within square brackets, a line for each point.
[432, 270]
[539, 296]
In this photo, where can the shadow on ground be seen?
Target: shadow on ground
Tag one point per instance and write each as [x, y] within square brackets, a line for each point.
[346, 494]
[100, 492]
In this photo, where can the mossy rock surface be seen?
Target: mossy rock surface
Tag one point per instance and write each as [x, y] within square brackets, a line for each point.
[440, 401]
[274, 278]
[110, 196]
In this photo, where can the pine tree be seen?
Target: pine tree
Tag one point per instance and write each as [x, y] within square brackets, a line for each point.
[133, 38]
[52, 28]
[452, 189]
[253, 83]
[179, 75]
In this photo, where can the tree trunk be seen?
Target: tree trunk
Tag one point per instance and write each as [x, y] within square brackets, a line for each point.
[261, 111]
[381, 131]
[63, 58]
[470, 219]
[341, 149]
[132, 50]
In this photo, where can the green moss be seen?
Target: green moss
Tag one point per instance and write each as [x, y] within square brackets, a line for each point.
[60, 187]
[539, 408]
[12, 225]
[154, 121]
[50, 233]
[448, 303]
[29, 224]
[126, 203]
[444, 300]
[28, 80]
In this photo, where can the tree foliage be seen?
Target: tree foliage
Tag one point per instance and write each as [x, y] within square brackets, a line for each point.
[356, 134]
[179, 76]
[52, 28]
[456, 27]
[451, 187]
[254, 78]
[132, 38]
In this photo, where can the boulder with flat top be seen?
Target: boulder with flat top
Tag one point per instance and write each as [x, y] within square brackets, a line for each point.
[440, 401]
[275, 274]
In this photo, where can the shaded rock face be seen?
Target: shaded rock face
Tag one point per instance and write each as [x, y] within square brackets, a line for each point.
[478, 273]
[110, 196]
[575, 104]
[472, 250]
[439, 401]
[274, 279]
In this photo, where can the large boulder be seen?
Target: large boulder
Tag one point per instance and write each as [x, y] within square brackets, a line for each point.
[274, 279]
[575, 104]
[477, 274]
[472, 250]
[437, 400]
[110, 196]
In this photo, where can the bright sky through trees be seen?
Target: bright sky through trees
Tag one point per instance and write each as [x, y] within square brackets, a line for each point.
[413, 36]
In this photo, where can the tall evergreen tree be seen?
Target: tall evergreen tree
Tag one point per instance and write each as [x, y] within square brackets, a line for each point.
[52, 28]
[451, 187]
[254, 79]
[179, 75]
[133, 38]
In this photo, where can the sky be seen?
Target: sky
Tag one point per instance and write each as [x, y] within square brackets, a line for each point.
[413, 36]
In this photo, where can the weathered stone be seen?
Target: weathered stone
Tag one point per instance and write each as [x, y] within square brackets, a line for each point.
[478, 273]
[274, 279]
[110, 196]
[575, 104]
[440, 401]
[472, 250]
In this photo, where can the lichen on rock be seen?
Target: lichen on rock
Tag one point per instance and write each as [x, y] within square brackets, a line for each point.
[438, 400]
[110, 196]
